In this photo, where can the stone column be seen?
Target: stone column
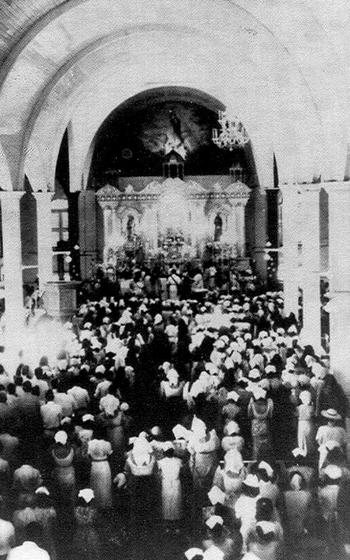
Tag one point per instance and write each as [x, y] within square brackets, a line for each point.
[107, 224]
[260, 215]
[43, 216]
[149, 227]
[310, 280]
[339, 267]
[12, 255]
[272, 196]
[240, 224]
[87, 232]
[289, 265]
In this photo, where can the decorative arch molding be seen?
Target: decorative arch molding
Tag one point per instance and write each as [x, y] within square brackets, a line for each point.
[222, 208]
[233, 10]
[123, 216]
[6, 183]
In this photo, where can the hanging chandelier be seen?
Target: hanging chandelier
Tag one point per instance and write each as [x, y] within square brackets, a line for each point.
[232, 134]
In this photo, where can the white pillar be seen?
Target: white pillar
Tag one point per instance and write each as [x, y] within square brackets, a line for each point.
[260, 219]
[149, 226]
[107, 228]
[43, 216]
[290, 273]
[87, 232]
[339, 266]
[310, 279]
[231, 234]
[12, 255]
[240, 221]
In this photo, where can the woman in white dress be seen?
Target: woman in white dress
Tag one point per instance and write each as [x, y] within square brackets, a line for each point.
[230, 477]
[99, 451]
[245, 507]
[169, 471]
[203, 448]
[306, 423]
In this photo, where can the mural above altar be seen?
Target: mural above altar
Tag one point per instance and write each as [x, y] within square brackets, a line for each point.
[178, 219]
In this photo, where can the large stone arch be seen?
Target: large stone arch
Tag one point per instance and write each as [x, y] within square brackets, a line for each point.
[254, 28]
[256, 112]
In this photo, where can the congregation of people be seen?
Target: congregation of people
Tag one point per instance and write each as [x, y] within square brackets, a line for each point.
[173, 281]
[193, 425]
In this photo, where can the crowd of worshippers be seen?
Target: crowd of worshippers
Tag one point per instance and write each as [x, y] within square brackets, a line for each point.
[206, 419]
[170, 281]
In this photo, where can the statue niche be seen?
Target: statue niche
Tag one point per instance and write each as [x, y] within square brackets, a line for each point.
[217, 227]
[130, 228]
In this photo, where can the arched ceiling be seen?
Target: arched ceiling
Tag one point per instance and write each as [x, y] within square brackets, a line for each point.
[283, 69]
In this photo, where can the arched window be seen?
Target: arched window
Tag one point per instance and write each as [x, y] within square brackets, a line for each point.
[217, 227]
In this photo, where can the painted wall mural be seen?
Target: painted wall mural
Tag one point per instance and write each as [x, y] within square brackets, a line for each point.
[133, 142]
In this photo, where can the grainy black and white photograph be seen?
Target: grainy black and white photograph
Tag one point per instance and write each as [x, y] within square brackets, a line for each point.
[174, 280]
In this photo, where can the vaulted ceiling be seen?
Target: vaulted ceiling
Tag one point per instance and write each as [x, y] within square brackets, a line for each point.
[282, 67]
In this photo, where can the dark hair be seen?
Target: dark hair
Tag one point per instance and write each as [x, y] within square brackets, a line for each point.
[11, 389]
[61, 387]
[262, 474]
[299, 460]
[26, 371]
[3, 397]
[38, 372]
[54, 383]
[43, 501]
[250, 491]
[82, 503]
[217, 531]
[33, 532]
[49, 396]
[27, 387]
[266, 538]
[335, 456]
[36, 390]
[169, 453]
[264, 509]
[88, 424]
[266, 453]
[330, 481]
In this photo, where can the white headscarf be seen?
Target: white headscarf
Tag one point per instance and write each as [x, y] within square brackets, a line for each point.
[233, 461]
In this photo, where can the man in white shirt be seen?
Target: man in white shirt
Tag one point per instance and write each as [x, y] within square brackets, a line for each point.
[81, 396]
[64, 399]
[51, 414]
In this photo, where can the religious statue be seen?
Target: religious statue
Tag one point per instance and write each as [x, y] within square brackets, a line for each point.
[130, 228]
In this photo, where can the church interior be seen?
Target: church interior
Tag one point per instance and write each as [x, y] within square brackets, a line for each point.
[169, 169]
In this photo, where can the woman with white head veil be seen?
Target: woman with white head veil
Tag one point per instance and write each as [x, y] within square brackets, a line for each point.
[229, 477]
[169, 469]
[203, 448]
[306, 425]
[139, 476]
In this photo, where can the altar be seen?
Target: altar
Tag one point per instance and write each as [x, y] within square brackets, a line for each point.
[175, 218]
